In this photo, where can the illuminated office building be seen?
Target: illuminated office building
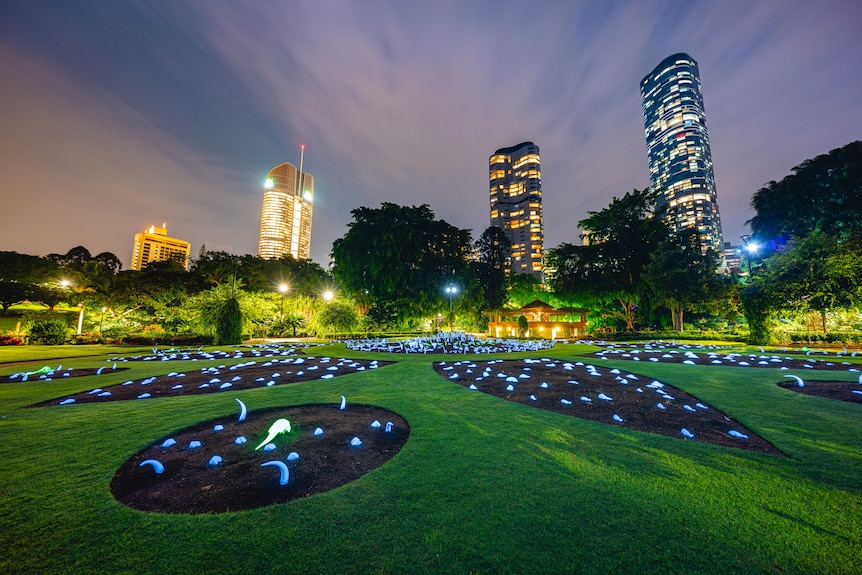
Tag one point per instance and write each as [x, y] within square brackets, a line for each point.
[154, 245]
[680, 161]
[285, 221]
[516, 205]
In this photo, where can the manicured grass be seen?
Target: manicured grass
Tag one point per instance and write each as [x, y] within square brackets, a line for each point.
[46, 353]
[482, 485]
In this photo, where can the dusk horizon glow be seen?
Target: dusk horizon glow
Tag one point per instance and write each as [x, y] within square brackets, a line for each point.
[118, 116]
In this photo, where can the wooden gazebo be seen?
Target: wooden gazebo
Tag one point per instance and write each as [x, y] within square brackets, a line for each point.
[543, 321]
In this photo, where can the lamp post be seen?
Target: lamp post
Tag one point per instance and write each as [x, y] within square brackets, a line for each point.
[80, 318]
[283, 289]
[328, 295]
[451, 291]
[751, 247]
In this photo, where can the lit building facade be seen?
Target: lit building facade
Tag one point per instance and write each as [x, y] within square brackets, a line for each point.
[285, 221]
[154, 245]
[516, 205]
[680, 161]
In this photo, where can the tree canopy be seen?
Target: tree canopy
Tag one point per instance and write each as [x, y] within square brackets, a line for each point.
[401, 257]
[610, 268]
[823, 193]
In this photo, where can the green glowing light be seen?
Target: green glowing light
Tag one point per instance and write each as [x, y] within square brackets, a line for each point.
[278, 426]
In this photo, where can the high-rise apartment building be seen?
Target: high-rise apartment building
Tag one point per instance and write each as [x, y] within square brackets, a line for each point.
[154, 245]
[285, 221]
[516, 204]
[680, 161]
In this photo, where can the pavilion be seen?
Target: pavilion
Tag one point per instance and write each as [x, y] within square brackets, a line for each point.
[543, 321]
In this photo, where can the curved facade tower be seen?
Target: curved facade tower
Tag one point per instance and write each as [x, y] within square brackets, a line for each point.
[285, 221]
[680, 161]
[516, 204]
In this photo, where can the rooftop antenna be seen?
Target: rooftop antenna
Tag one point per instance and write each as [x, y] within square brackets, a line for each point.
[301, 157]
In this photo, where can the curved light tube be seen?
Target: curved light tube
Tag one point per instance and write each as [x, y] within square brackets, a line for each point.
[157, 465]
[285, 472]
[798, 380]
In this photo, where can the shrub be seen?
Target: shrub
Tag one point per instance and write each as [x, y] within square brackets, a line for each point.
[229, 323]
[48, 332]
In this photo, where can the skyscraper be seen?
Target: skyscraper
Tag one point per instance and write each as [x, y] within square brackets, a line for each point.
[516, 204]
[154, 245]
[285, 221]
[680, 161]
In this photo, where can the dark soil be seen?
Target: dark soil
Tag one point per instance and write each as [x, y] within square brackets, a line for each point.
[191, 484]
[62, 374]
[719, 358]
[235, 353]
[570, 389]
[840, 390]
[215, 379]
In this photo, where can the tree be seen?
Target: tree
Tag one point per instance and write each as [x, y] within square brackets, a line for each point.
[229, 323]
[23, 268]
[494, 249]
[820, 273]
[523, 289]
[12, 293]
[682, 277]
[610, 269]
[400, 255]
[823, 193]
[335, 317]
[523, 325]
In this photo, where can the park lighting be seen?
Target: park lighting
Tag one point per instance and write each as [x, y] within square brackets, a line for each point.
[752, 248]
[80, 318]
[64, 283]
[328, 295]
[283, 289]
[451, 291]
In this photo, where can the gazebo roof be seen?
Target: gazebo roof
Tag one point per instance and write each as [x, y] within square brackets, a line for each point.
[542, 307]
[537, 305]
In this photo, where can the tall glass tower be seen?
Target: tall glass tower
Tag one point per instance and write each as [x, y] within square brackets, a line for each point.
[680, 161]
[516, 204]
[285, 221]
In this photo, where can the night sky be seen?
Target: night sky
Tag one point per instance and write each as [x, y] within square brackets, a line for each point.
[115, 115]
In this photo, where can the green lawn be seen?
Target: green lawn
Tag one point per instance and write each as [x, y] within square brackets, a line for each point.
[482, 485]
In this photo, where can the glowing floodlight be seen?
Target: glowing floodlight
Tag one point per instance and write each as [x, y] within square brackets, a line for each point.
[278, 427]
[269, 184]
[752, 247]
[328, 295]
[307, 196]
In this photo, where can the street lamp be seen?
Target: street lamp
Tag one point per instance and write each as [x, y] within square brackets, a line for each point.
[451, 291]
[751, 247]
[328, 295]
[283, 289]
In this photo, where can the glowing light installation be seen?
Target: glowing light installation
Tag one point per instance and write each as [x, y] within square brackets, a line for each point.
[279, 426]
[285, 472]
[156, 465]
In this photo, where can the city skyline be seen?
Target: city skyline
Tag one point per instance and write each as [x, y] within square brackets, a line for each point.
[132, 113]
